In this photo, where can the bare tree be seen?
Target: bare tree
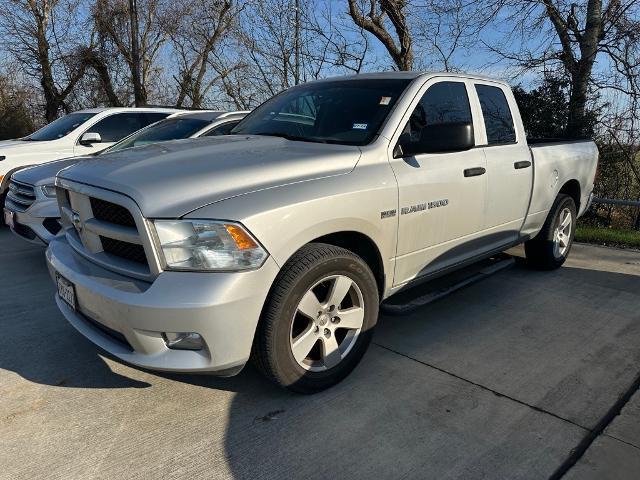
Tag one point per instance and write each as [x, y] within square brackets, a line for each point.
[195, 29]
[38, 33]
[576, 35]
[134, 30]
[379, 17]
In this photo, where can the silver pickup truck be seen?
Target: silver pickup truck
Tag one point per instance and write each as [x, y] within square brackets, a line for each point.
[278, 242]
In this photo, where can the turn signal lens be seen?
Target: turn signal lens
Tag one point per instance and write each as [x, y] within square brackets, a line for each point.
[242, 238]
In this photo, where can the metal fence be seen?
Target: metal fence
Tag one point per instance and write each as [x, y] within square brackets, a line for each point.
[615, 213]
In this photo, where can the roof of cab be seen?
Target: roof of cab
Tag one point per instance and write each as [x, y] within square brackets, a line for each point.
[408, 75]
[128, 109]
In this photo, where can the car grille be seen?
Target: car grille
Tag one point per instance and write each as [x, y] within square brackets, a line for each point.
[129, 251]
[20, 196]
[111, 234]
[112, 213]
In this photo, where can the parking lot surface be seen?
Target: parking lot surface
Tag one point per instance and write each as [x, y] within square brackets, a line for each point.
[520, 376]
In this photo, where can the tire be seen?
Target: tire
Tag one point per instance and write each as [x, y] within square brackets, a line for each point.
[3, 197]
[308, 285]
[547, 250]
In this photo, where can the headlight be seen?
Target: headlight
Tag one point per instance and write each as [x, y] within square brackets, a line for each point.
[208, 245]
[49, 190]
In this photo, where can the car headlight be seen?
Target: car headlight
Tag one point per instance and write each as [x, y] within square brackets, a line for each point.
[48, 190]
[208, 245]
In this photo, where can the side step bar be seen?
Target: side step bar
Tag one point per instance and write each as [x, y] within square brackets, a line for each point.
[432, 296]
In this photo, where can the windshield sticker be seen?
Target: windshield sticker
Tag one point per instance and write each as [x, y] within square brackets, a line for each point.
[385, 100]
[360, 126]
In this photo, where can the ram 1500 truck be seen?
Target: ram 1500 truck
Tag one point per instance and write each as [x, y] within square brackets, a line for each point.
[279, 241]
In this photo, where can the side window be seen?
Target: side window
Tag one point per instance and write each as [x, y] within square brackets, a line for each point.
[442, 103]
[151, 117]
[223, 129]
[117, 126]
[497, 115]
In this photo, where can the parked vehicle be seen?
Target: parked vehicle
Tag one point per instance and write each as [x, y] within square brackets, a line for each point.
[79, 133]
[279, 241]
[31, 208]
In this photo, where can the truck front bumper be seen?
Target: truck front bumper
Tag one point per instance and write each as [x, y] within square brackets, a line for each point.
[127, 317]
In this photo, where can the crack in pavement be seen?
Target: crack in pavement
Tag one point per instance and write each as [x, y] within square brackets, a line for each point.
[591, 434]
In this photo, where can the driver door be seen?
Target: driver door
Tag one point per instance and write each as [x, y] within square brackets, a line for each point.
[441, 195]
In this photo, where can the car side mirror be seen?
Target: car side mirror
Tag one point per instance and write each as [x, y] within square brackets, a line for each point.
[440, 137]
[90, 138]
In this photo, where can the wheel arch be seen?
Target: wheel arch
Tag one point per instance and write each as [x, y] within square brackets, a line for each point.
[572, 188]
[363, 246]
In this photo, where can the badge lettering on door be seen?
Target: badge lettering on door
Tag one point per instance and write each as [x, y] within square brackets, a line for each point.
[424, 206]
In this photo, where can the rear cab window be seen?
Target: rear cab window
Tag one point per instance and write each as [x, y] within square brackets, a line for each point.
[496, 113]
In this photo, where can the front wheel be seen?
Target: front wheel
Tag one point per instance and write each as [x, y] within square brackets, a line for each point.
[550, 248]
[318, 319]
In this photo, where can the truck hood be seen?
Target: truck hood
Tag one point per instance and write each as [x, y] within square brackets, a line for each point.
[44, 174]
[171, 179]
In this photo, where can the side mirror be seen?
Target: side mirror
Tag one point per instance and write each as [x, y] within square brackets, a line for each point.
[90, 138]
[441, 137]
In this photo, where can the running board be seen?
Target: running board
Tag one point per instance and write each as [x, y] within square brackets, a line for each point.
[432, 296]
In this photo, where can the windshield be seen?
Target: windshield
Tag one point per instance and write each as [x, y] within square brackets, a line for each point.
[348, 112]
[60, 127]
[169, 129]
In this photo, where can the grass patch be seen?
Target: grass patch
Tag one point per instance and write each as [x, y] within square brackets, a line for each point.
[608, 236]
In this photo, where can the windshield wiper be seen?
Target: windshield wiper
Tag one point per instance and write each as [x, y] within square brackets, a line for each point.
[290, 137]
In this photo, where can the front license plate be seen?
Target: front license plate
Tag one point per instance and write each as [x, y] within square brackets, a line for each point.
[66, 291]
[9, 218]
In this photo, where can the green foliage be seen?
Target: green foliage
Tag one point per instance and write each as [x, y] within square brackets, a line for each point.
[608, 236]
[545, 109]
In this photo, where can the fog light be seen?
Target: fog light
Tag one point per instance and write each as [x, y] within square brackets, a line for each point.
[183, 340]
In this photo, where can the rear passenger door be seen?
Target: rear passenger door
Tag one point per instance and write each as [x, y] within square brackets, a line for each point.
[441, 195]
[509, 167]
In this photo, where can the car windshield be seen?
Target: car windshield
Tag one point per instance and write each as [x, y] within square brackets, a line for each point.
[345, 112]
[169, 129]
[60, 127]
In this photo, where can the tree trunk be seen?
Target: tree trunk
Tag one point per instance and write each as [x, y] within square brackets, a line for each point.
[139, 93]
[576, 121]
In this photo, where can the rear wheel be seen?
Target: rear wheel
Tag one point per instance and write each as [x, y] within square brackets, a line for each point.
[550, 248]
[318, 319]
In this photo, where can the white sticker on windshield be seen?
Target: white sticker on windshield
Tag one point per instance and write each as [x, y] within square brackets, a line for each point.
[385, 100]
[360, 126]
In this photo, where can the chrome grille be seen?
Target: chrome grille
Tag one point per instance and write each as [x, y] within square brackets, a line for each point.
[20, 196]
[108, 229]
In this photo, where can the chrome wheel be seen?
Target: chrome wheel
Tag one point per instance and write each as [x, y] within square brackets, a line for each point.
[327, 323]
[562, 234]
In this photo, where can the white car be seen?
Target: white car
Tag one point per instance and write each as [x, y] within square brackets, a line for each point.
[31, 209]
[79, 133]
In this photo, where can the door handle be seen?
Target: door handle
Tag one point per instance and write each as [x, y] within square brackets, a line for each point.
[523, 164]
[474, 172]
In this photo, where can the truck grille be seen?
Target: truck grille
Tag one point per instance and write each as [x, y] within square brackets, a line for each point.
[112, 213]
[129, 251]
[110, 232]
[20, 196]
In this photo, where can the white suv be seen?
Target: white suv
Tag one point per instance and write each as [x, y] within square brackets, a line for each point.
[79, 133]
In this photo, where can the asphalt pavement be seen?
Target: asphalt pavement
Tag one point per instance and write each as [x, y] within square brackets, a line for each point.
[524, 375]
